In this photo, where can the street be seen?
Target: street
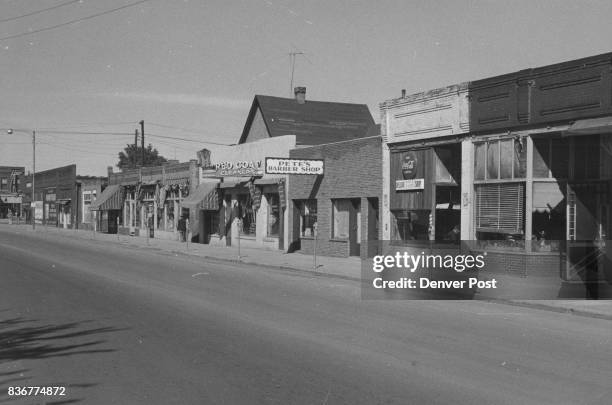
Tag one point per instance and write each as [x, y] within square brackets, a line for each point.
[119, 324]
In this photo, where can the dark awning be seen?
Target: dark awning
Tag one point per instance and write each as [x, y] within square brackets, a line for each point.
[110, 199]
[204, 197]
[268, 180]
[591, 126]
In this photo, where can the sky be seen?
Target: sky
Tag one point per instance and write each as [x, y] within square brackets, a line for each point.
[82, 74]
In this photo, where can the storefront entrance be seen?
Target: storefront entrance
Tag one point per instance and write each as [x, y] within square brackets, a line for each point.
[589, 228]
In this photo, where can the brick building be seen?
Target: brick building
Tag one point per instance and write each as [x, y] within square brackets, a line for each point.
[56, 197]
[339, 210]
[524, 162]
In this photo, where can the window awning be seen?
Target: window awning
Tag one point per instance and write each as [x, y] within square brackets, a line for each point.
[591, 126]
[110, 199]
[204, 197]
[267, 180]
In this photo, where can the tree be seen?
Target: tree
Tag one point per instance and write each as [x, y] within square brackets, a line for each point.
[151, 157]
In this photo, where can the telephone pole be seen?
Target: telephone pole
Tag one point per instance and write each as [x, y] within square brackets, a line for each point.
[142, 141]
[134, 158]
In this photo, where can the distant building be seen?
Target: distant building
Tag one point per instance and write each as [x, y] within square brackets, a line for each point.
[10, 190]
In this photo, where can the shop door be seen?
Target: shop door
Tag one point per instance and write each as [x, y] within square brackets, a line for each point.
[588, 228]
[373, 225]
[355, 227]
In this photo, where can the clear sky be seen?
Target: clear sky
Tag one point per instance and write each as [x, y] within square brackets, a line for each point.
[190, 68]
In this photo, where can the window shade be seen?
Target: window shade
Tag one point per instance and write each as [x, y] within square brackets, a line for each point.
[500, 207]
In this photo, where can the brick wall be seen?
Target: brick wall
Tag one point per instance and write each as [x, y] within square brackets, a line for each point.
[353, 170]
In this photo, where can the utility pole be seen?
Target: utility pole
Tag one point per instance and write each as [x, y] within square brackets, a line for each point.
[142, 141]
[135, 159]
[33, 177]
[292, 60]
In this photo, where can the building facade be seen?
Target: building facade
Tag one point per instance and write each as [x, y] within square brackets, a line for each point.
[11, 191]
[520, 162]
[147, 201]
[337, 213]
[252, 204]
[56, 197]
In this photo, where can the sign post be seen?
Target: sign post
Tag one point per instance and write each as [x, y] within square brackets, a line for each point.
[239, 224]
[314, 250]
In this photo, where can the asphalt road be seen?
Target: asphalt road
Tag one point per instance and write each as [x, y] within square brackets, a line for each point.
[129, 325]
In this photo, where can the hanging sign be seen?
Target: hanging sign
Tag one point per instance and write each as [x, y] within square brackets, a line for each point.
[294, 166]
[413, 184]
[409, 166]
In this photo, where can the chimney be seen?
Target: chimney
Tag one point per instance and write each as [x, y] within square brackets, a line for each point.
[300, 94]
[109, 171]
[403, 93]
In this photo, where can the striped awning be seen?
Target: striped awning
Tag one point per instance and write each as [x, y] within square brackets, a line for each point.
[110, 199]
[205, 197]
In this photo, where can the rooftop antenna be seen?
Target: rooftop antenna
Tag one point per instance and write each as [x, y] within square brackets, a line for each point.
[292, 56]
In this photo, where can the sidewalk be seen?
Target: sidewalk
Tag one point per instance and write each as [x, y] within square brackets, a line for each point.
[344, 268]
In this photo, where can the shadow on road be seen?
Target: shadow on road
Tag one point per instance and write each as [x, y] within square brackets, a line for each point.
[19, 341]
[25, 339]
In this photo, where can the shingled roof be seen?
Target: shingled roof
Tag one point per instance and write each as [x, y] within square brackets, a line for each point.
[313, 122]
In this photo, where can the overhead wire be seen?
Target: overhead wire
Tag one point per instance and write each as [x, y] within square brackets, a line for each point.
[77, 20]
[39, 11]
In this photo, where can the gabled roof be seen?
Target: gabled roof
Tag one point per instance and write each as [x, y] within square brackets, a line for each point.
[314, 122]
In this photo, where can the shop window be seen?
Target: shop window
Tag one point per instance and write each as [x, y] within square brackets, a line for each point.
[448, 160]
[308, 217]
[411, 225]
[493, 160]
[548, 216]
[273, 217]
[340, 218]
[500, 210]
[479, 161]
[587, 157]
[551, 158]
[88, 198]
[503, 159]
[246, 214]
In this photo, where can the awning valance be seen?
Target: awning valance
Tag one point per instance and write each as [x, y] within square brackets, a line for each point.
[268, 180]
[204, 197]
[591, 126]
[110, 199]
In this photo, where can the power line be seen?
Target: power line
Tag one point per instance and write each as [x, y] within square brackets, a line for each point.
[188, 140]
[82, 133]
[39, 11]
[89, 17]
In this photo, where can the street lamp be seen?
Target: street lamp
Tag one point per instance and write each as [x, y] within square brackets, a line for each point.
[32, 209]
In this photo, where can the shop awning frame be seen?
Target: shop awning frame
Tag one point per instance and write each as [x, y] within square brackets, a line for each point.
[590, 126]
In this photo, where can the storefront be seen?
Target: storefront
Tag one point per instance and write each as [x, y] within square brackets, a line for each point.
[57, 197]
[248, 205]
[335, 211]
[541, 171]
[422, 165]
